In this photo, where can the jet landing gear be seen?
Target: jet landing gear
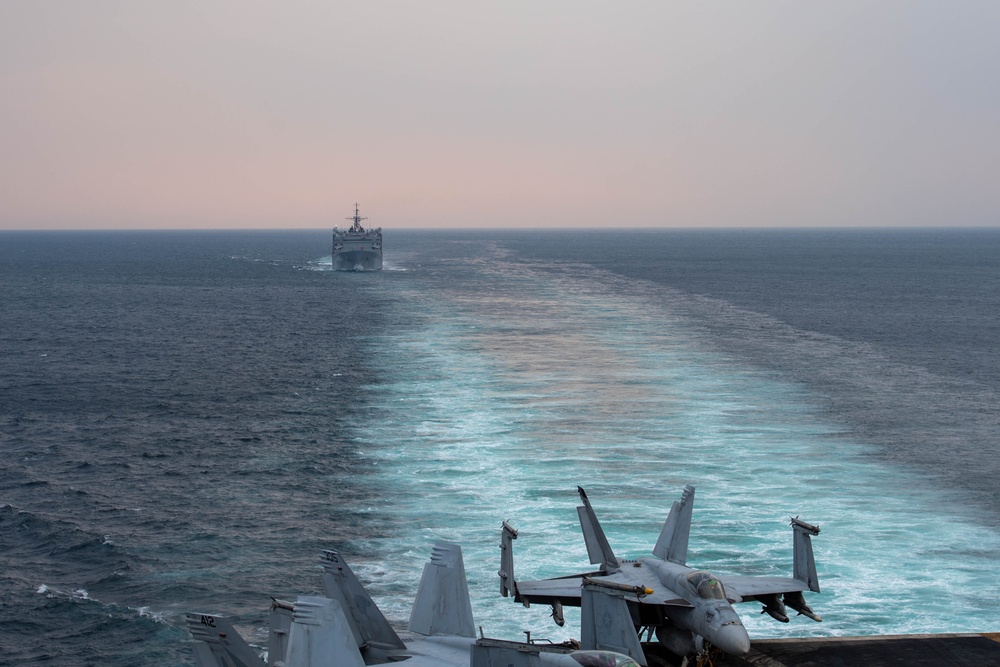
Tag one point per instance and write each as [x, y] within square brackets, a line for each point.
[677, 647]
[706, 658]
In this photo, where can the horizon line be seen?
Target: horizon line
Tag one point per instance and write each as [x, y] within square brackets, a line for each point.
[995, 226]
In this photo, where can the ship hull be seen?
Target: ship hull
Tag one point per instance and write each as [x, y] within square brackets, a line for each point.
[357, 260]
[357, 248]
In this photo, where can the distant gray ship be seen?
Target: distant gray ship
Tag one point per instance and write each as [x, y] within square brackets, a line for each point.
[357, 248]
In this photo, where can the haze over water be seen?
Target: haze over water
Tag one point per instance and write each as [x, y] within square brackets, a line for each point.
[189, 417]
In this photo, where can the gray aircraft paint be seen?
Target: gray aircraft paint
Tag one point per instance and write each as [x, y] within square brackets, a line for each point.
[443, 606]
[683, 605]
[346, 628]
[357, 248]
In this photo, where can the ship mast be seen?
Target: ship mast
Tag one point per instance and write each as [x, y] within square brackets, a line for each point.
[357, 220]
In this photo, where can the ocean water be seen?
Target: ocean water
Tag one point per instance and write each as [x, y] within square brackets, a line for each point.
[187, 418]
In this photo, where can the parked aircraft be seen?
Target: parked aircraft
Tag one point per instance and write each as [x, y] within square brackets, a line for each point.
[687, 608]
[346, 628]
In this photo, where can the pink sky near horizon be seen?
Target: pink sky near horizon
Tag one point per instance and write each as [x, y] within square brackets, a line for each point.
[223, 114]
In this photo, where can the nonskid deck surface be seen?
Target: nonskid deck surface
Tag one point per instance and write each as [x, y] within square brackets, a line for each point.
[954, 650]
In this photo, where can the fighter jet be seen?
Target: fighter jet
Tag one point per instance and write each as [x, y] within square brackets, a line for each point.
[690, 610]
[346, 628]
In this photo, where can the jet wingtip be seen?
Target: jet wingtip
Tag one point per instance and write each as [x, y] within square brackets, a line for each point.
[808, 527]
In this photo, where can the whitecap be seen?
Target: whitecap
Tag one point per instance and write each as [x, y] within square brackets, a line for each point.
[144, 612]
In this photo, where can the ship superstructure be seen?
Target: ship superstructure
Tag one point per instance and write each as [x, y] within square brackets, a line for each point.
[357, 248]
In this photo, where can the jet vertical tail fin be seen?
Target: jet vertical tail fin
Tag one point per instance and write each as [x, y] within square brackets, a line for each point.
[443, 606]
[279, 624]
[369, 626]
[804, 565]
[673, 542]
[508, 585]
[598, 548]
[606, 623]
[219, 645]
[321, 635]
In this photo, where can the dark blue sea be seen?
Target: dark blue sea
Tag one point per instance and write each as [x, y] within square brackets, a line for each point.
[187, 418]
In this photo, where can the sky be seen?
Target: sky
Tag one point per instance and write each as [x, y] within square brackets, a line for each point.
[218, 114]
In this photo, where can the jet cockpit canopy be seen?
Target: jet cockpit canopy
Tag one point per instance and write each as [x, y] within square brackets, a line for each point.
[707, 585]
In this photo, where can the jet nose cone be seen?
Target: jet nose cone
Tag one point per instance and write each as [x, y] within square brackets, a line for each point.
[733, 639]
